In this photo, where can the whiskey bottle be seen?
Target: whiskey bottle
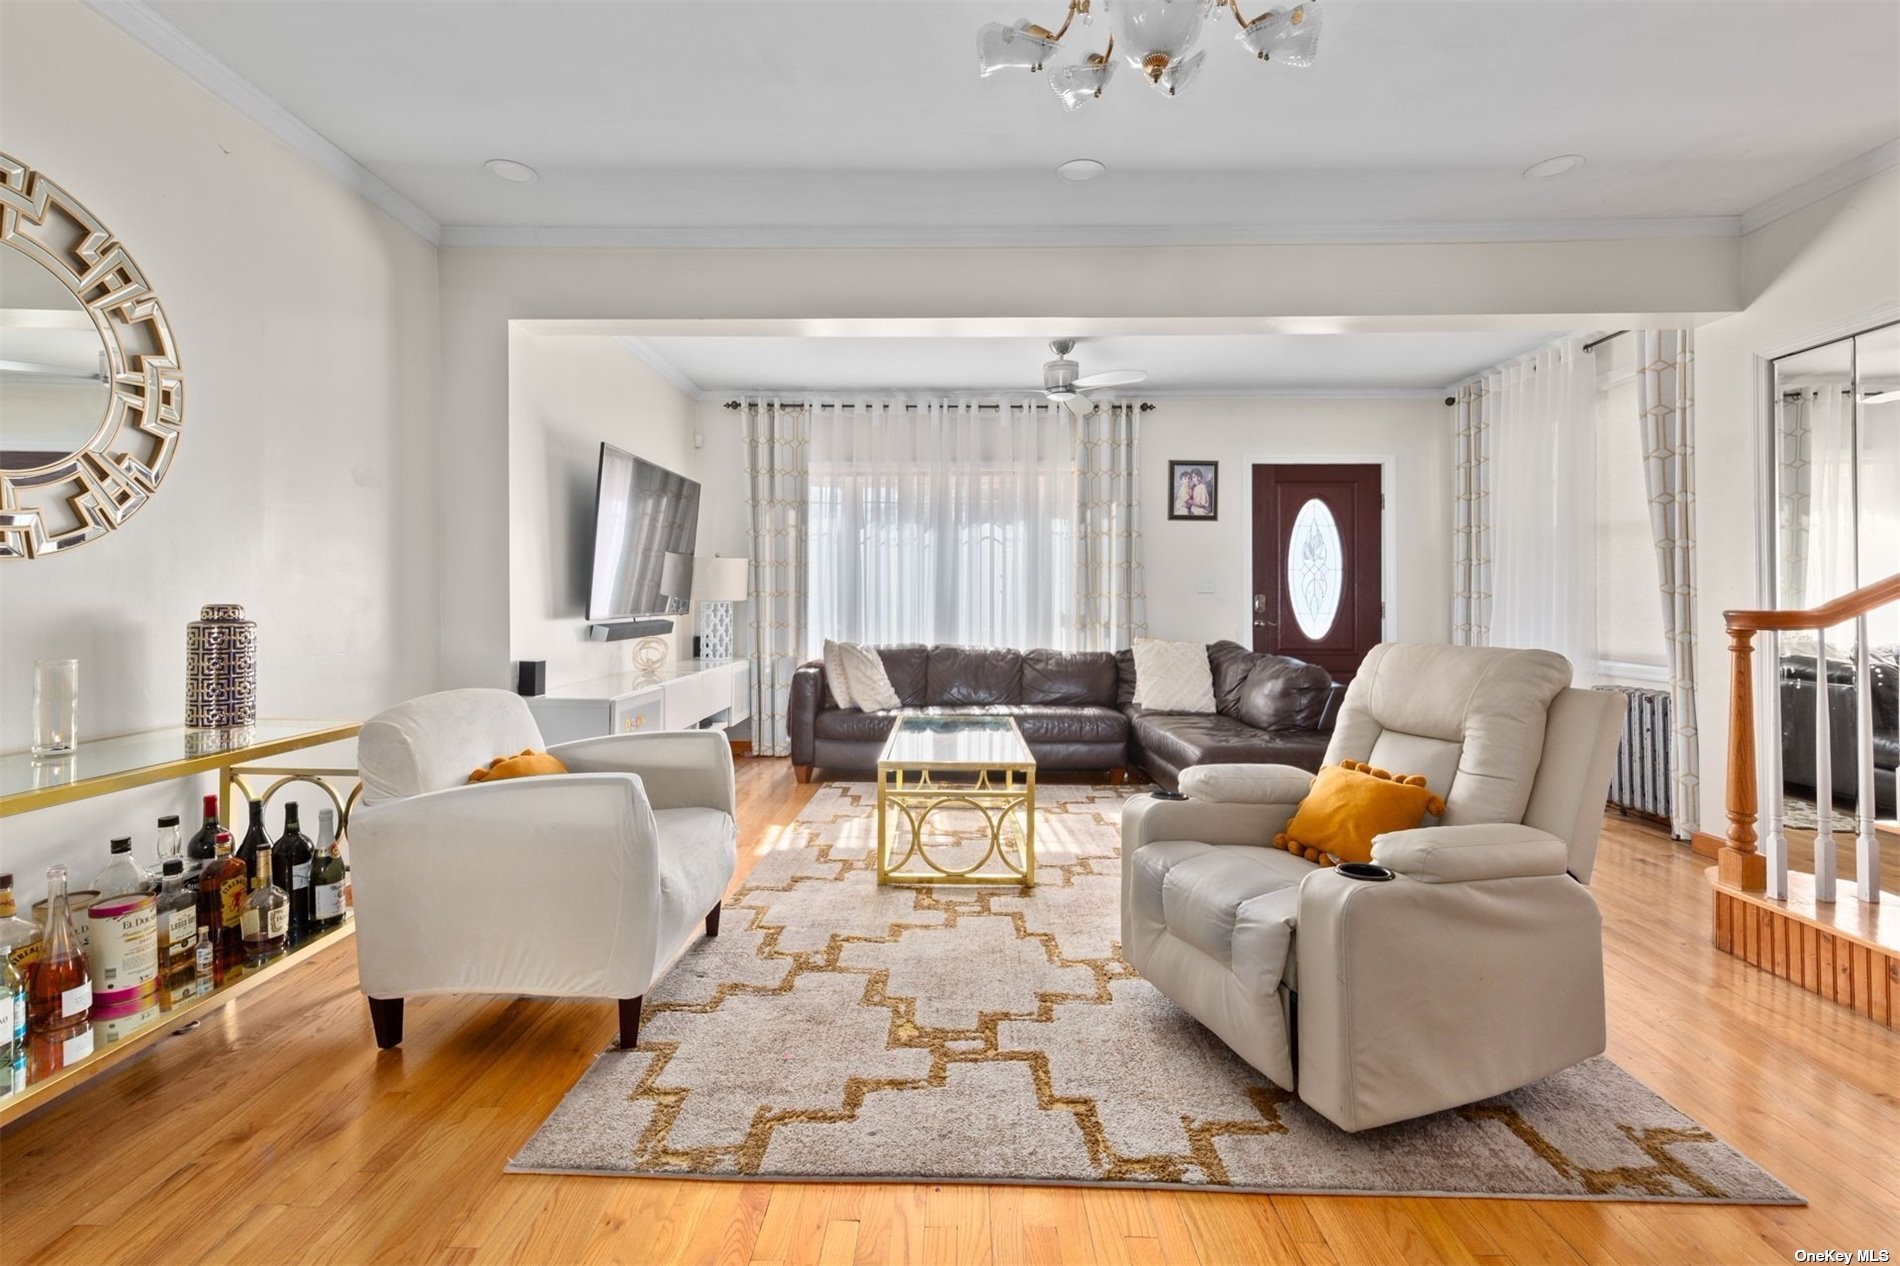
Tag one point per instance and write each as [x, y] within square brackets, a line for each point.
[291, 857]
[221, 895]
[253, 837]
[327, 874]
[266, 919]
[204, 841]
[59, 991]
[177, 936]
[19, 939]
[122, 873]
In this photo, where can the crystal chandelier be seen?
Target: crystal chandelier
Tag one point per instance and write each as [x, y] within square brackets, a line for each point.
[1156, 37]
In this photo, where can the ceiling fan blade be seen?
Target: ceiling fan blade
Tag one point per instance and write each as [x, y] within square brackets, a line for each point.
[1112, 378]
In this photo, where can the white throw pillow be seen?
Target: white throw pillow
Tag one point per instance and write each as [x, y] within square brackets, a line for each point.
[1246, 784]
[1172, 676]
[856, 676]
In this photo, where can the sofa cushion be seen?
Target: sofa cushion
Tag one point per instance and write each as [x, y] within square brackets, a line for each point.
[852, 726]
[1352, 804]
[855, 673]
[1246, 784]
[962, 675]
[1182, 739]
[1082, 677]
[908, 667]
[1173, 676]
[1049, 723]
[1283, 694]
[1237, 904]
[1231, 663]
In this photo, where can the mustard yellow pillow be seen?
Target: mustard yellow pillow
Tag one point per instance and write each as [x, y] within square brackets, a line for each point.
[1349, 805]
[524, 765]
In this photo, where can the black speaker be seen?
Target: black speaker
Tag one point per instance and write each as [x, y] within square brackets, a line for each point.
[531, 677]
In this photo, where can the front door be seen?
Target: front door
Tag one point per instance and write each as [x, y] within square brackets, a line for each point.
[1316, 564]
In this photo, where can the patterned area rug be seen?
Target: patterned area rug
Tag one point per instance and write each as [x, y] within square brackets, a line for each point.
[838, 1030]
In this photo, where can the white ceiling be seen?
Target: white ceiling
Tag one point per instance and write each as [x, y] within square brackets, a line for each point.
[1178, 365]
[789, 117]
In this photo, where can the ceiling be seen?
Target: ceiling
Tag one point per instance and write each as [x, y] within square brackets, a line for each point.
[1177, 365]
[807, 117]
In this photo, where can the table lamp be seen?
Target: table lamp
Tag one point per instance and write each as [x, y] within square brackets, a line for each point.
[717, 584]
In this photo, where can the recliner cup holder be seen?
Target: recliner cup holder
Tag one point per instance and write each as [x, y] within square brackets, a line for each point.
[1370, 871]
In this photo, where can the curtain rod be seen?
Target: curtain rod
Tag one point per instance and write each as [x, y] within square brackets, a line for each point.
[1145, 406]
[1596, 343]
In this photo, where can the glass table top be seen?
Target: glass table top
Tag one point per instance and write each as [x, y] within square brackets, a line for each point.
[951, 741]
[109, 764]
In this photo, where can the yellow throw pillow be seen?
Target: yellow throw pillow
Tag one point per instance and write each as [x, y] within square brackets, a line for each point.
[1349, 805]
[525, 765]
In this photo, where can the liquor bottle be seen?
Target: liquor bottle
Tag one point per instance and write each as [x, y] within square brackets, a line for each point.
[177, 936]
[204, 841]
[122, 872]
[221, 890]
[13, 1072]
[326, 874]
[171, 843]
[59, 991]
[19, 939]
[291, 857]
[254, 835]
[266, 914]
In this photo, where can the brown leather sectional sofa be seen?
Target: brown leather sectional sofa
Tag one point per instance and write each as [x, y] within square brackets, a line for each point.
[1076, 710]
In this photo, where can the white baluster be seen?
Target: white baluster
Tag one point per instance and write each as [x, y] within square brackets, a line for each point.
[1774, 845]
[1867, 841]
[1823, 776]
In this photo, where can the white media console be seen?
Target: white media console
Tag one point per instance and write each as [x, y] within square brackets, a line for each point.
[693, 694]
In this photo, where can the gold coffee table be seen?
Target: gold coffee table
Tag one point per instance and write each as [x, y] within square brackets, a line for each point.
[925, 745]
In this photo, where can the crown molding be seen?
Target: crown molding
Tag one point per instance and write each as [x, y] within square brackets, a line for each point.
[665, 368]
[579, 237]
[139, 21]
[1828, 183]
[1025, 395]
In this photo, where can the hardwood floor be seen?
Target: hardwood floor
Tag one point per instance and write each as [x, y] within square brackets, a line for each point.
[276, 1132]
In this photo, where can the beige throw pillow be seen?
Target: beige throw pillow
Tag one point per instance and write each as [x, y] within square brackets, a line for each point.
[1172, 676]
[856, 676]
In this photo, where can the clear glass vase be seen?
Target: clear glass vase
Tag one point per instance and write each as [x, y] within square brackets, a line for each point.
[55, 706]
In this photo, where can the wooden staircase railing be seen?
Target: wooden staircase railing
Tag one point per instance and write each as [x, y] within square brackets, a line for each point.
[1740, 864]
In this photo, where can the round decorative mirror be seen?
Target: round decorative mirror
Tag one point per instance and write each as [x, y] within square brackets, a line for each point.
[91, 395]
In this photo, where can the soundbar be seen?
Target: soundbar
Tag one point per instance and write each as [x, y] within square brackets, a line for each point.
[621, 630]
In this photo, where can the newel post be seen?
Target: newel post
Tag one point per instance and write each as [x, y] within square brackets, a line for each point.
[1740, 866]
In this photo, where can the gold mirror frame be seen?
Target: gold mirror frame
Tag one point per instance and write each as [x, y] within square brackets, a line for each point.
[116, 473]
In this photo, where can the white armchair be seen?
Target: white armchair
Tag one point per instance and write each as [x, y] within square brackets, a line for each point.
[1477, 968]
[578, 884]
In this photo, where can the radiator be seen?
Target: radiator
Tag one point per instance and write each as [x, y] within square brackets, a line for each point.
[1642, 777]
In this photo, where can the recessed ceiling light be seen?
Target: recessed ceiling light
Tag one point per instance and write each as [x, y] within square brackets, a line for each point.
[1080, 169]
[509, 169]
[1553, 167]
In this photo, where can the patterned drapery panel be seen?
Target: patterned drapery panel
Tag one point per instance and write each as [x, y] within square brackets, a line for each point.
[1666, 393]
[1471, 518]
[778, 458]
[1111, 594]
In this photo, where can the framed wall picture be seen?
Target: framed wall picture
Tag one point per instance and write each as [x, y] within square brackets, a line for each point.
[1194, 490]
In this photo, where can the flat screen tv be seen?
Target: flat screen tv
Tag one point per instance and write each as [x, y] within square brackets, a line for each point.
[646, 519]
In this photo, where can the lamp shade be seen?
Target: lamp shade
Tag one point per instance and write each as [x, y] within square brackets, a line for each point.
[717, 579]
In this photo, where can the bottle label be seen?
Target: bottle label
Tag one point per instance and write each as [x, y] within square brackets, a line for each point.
[77, 1000]
[231, 902]
[329, 900]
[23, 956]
[78, 1046]
[123, 949]
[300, 876]
[278, 923]
[181, 927]
[206, 953]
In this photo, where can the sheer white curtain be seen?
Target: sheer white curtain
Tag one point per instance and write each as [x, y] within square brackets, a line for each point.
[942, 521]
[1665, 366]
[1543, 503]
[1471, 517]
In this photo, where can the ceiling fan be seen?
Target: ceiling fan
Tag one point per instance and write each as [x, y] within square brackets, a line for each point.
[1060, 380]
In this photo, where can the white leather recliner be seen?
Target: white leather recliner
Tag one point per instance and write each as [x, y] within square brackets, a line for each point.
[578, 884]
[1476, 969]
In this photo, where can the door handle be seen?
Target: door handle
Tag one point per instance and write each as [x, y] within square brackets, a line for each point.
[1260, 609]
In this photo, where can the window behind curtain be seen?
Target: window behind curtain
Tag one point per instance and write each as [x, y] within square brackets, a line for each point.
[943, 523]
[1631, 645]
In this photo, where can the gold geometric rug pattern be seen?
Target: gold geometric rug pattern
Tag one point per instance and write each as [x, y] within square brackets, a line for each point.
[839, 1030]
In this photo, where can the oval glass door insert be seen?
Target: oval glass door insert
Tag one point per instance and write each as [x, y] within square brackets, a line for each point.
[1315, 568]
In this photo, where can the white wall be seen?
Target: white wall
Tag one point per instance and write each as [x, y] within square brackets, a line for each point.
[304, 482]
[567, 394]
[1812, 275]
[1183, 557]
